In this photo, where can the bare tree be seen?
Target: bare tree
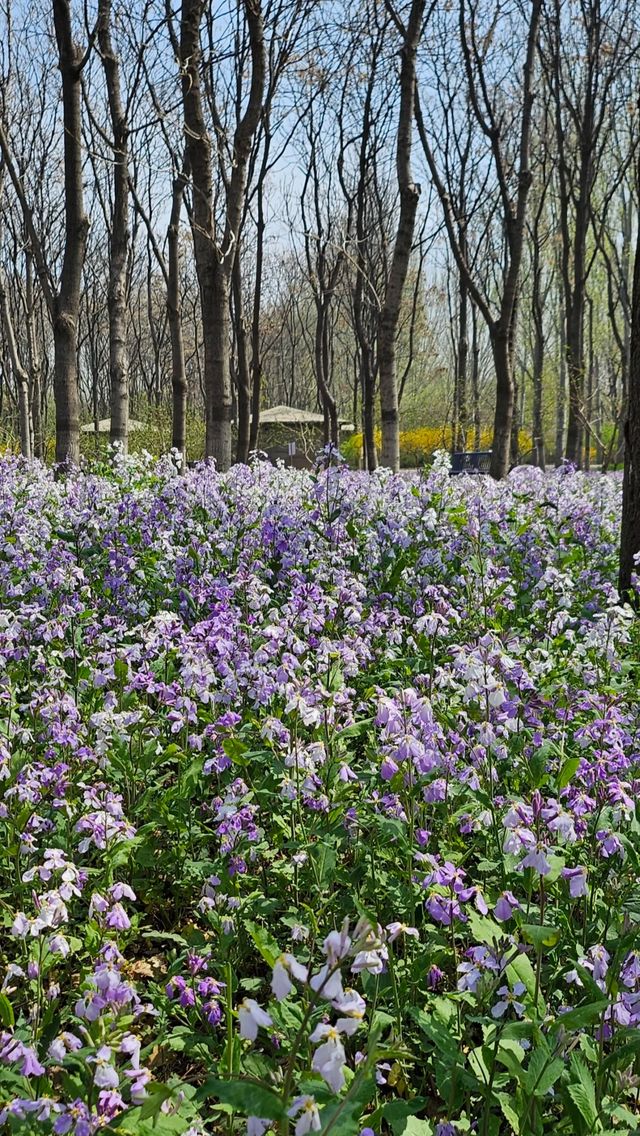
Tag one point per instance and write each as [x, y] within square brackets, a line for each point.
[409, 190]
[513, 178]
[583, 70]
[630, 529]
[63, 301]
[215, 242]
[119, 234]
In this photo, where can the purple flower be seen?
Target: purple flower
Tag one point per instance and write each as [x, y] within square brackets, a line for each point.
[505, 906]
[577, 878]
[506, 998]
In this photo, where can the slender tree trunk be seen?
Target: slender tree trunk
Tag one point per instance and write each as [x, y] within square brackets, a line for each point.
[575, 372]
[20, 374]
[256, 351]
[537, 428]
[174, 316]
[561, 399]
[63, 304]
[462, 367]
[475, 379]
[321, 358]
[65, 322]
[538, 356]
[630, 530]
[35, 365]
[505, 394]
[215, 253]
[119, 237]
[214, 292]
[589, 391]
[243, 375]
[368, 413]
[409, 197]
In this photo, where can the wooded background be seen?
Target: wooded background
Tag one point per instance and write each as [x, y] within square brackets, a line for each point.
[401, 213]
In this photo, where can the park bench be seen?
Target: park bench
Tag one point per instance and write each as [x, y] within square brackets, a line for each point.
[473, 461]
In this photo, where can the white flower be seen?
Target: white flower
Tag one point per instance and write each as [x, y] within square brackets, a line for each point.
[286, 966]
[396, 929]
[373, 961]
[337, 944]
[306, 1109]
[20, 926]
[353, 1006]
[330, 1057]
[105, 1076]
[327, 984]
[252, 1016]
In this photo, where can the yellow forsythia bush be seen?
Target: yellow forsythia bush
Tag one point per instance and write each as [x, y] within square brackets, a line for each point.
[419, 445]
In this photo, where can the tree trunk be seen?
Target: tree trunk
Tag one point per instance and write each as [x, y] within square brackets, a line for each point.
[538, 356]
[630, 530]
[409, 196]
[503, 418]
[174, 316]
[213, 294]
[243, 375]
[35, 367]
[256, 353]
[214, 258]
[20, 375]
[119, 237]
[65, 322]
[462, 367]
[475, 380]
[322, 364]
[219, 397]
[561, 399]
[537, 429]
[368, 413]
[575, 371]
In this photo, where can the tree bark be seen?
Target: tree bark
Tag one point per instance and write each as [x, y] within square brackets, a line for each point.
[214, 259]
[35, 364]
[243, 375]
[174, 314]
[538, 354]
[409, 197]
[119, 236]
[630, 529]
[65, 323]
[20, 374]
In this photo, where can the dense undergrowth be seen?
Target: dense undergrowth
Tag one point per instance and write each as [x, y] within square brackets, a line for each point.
[317, 804]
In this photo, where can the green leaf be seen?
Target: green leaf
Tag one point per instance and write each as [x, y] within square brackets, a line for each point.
[397, 1113]
[245, 1097]
[543, 1071]
[157, 1095]
[568, 769]
[265, 943]
[6, 1012]
[415, 1126]
[356, 729]
[540, 936]
[485, 930]
[506, 1104]
[342, 1117]
[583, 1091]
[580, 1017]
[236, 750]
[512, 1062]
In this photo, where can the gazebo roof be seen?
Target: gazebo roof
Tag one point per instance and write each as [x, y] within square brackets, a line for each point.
[290, 416]
[104, 426]
[294, 416]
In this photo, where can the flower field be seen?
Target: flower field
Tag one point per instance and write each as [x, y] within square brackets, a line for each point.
[317, 804]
